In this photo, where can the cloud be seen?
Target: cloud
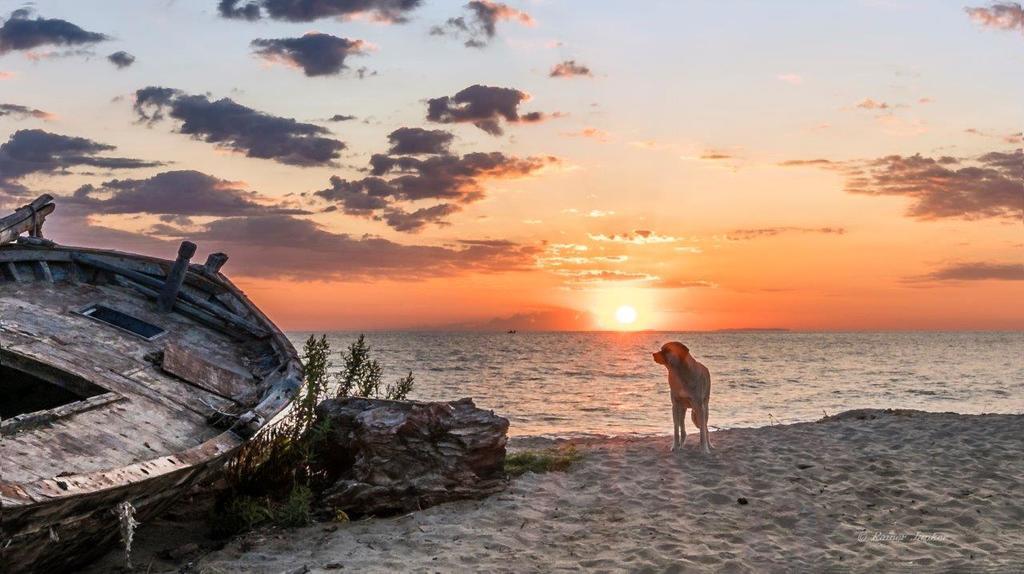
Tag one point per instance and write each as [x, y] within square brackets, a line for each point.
[391, 11]
[22, 112]
[282, 245]
[317, 54]
[568, 69]
[1000, 15]
[638, 237]
[121, 59]
[985, 186]
[285, 246]
[21, 32]
[233, 126]
[792, 79]
[603, 275]
[482, 106]
[340, 118]
[715, 156]
[589, 133]
[411, 222]
[449, 179]
[819, 162]
[869, 104]
[975, 271]
[682, 284]
[39, 152]
[6, 75]
[414, 141]
[182, 193]
[758, 233]
[1010, 138]
[480, 26]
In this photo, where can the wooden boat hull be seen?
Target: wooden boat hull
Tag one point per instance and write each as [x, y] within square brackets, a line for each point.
[152, 439]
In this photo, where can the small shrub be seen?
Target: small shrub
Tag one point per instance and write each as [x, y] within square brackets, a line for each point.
[274, 474]
[550, 460]
[295, 510]
[361, 376]
[239, 514]
[401, 389]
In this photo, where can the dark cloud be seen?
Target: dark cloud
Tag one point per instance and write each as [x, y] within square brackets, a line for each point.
[1000, 15]
[807, 162]
[568, 69]
[411, 222]
[21, 32]
[340, 118]
[177, 194]
[22, 112]
[415, 141]
[284, 246]
[310, 10]
[317, 54]
[760, 232]
[121, 59]
[281, 245]
[449, 179]
[39, 152]
[976, 271]
[237, 127]
[987, 186]
[482, 106]
[714, 156]
[480, 26]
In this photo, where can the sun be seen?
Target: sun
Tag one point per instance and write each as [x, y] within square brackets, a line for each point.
[625, 315]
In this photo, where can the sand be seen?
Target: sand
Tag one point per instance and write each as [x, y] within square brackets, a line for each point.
[864, 491]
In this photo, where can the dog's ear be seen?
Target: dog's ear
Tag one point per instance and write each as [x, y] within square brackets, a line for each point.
[676, 348]
[659, 358]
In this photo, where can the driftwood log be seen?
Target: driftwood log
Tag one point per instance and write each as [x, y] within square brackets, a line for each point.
[386, 456]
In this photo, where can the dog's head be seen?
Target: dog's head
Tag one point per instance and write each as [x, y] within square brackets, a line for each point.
[671, 352]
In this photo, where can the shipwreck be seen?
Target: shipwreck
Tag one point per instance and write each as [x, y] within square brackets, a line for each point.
[124, 381]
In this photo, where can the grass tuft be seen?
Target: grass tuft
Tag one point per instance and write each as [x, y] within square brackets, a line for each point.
[549, 460]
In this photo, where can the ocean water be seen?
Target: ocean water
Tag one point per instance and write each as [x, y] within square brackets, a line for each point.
[568, 384]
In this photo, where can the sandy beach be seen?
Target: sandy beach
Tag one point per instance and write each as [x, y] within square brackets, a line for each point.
[861, 491]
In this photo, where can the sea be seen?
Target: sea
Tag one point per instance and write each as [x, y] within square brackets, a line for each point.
[606, 383]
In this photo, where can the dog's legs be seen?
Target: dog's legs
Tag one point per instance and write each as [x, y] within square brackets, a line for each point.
[682, 424]
[675, 425]
[702, 417]
[707, 415]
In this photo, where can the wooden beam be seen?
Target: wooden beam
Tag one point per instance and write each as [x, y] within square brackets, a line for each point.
[28, 218]
[171, 287]
[214, 262]
[155, 285]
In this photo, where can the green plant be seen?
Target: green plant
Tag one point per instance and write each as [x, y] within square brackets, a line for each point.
[274, 474]
[295, 510]
[553, 459]
[401, 389]
[361, 375]
[235, 515]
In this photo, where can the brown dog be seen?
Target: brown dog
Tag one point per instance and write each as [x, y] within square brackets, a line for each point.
[689, 385]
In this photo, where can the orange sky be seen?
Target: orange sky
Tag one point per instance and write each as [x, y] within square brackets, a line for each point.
[709, 168]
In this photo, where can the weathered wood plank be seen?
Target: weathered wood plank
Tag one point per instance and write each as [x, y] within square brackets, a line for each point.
[27, 218]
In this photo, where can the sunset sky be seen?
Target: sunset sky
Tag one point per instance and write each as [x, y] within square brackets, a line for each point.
[378, 164]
